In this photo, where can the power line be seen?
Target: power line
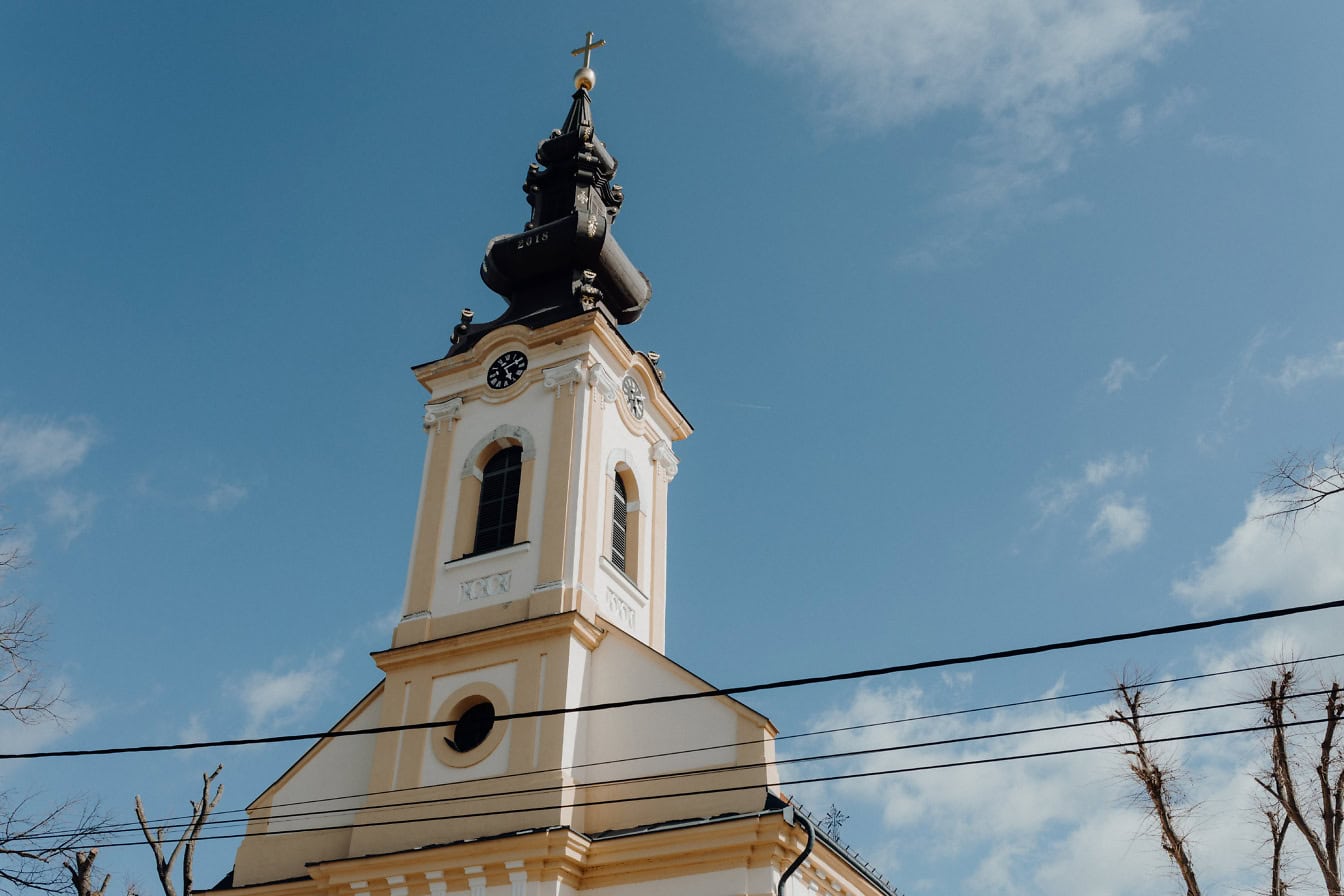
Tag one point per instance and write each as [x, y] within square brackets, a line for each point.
[716, 692]
[692, 773]
[127, 826]
[963, 763]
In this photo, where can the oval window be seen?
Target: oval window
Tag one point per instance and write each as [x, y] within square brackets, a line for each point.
[473, 726]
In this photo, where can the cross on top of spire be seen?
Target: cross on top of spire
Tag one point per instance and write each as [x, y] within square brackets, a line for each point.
[585, 77]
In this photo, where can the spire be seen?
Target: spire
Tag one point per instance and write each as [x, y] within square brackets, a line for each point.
[566, 261]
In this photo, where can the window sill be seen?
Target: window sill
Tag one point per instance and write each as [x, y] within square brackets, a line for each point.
[467, 560]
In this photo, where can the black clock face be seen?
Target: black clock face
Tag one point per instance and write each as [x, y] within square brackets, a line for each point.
[506, 369]
[634, 397]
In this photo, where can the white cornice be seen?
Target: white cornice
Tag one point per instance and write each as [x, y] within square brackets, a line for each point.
[664, 460]
[570, 373]
[438, 412]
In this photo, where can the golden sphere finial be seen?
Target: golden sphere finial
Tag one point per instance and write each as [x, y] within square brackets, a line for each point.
[585, 77]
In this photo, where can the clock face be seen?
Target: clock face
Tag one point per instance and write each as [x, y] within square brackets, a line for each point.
[634, 396]
[506, 369]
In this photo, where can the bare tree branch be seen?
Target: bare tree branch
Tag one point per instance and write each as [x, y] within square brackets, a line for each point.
[81, 874]
[22, 692]
[1298, 485]
[1282, 785]
[34, 837]
[1149, 772]
[200, 811]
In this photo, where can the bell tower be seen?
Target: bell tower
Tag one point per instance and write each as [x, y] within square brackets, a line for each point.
[526, 704]
[549, 438]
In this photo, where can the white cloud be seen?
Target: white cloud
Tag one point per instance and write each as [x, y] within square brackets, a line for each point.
[1120, 525]
[1262, 559]
[224, 496]
[1121, 369]
[194, 731]
[1047, 826]
[1131, 123]
[1027, 69]
[32, 448]
[1135, 120]
[73, 513]
[1227, 145]
[1298, 370]
[274, 698]
[1058, 496]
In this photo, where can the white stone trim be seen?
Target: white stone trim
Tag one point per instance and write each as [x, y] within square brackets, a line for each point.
[570, 373]
[603, 383]
[505, 436]
[664, 460]
[439, 412]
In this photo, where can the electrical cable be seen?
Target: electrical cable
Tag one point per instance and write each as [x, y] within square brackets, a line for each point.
[989, 760]
[714, 770]
[716, 692]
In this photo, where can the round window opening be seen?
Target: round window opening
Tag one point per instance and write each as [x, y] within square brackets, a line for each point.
[473, 726]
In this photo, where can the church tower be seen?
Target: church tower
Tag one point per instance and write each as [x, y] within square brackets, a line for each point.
[550, 439]
[511, 747]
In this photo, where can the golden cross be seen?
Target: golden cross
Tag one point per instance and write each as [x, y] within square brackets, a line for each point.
[587, 49]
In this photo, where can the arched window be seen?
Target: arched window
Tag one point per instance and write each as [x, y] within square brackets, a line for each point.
[498, 510]
[620, 509]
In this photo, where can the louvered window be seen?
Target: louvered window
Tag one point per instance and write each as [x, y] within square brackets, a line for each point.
[498, 511]
[619, 511]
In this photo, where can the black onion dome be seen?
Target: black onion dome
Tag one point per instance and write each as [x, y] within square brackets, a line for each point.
[566, 261]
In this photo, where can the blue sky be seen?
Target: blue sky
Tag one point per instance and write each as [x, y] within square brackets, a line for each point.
[990, 319]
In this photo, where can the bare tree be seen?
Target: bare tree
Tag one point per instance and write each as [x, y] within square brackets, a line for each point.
[1318, 814]
[81, 869]
[34, 833]
[1303, 787]
[186, 842]
[1156, 778]
[1298, 485]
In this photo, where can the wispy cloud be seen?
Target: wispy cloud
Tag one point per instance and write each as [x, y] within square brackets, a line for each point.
[37, 448]
[1121, 524]
[1136, 119]
[1059, 495]
[224, 496]
[1123, 370]
[1027, 69]
[1297, 370]
[276, 697]
[71, 512]
[1228, 145]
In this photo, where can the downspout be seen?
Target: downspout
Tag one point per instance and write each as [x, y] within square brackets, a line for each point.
[789, 818]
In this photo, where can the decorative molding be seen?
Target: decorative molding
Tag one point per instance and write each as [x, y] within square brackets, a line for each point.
[664, 459]
[504, 436]
[621, 612]
[518, 879]
[437, 885]
[437, 412]
[603, 383]
[422, 614]
[397, 885]
[487, 586]
[477, 884]
[570, 373]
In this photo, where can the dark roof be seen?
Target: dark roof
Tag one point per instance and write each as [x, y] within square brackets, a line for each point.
[566, 260]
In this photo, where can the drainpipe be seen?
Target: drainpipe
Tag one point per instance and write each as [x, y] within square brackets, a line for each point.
[789, 818]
